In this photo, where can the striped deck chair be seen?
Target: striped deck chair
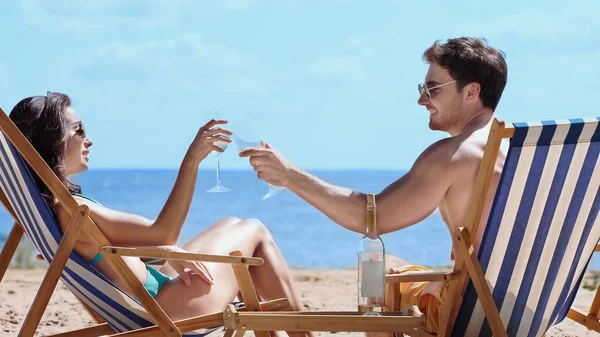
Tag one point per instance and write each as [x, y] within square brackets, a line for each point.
[114, 310]
[538, 241]
[542, 230]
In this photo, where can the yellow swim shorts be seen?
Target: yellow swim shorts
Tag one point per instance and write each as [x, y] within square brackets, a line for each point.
[428, 296]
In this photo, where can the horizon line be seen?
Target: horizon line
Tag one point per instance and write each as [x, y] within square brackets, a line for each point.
[239, 170]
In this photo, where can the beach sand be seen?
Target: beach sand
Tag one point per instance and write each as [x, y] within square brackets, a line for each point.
[320, 290]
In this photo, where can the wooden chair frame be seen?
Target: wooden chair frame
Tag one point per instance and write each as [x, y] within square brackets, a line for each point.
[82, 225]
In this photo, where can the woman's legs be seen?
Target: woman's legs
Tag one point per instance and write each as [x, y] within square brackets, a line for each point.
[272, 280]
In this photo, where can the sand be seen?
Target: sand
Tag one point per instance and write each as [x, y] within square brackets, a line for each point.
[320, 290]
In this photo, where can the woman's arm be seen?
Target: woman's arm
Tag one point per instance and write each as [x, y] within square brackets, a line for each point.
[133, 230]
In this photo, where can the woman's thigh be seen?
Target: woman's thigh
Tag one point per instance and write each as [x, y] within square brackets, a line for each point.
[244, 235]
[180, 301]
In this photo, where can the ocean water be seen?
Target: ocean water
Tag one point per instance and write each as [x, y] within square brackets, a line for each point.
[306, 237]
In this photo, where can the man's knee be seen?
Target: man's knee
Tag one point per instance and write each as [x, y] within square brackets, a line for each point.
[231, 220]
[392, 261]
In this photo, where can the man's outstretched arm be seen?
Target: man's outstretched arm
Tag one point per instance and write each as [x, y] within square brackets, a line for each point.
[405, 202]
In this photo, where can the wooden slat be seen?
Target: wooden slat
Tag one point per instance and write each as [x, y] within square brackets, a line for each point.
[392, 299]
[486, 170]
[422, 277]
[54, 271]
[478, 277]
[146, 300]
[597, 248]
[10, 246]
[498, 131]
[595, 307]
[589, 322]
[300, 321]
[244, 281]
[509, 131]
[240, 333]
[228, 333]
[449, 310]
[92, 331]
[204, 321]
[161, 253]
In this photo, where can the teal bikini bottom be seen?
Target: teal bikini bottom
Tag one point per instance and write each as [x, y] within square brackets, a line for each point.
[154, 281]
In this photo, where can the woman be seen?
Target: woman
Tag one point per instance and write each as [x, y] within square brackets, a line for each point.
[182, 288]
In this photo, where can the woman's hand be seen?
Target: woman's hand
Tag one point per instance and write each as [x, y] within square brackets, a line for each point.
[205, 140]
[197, 267]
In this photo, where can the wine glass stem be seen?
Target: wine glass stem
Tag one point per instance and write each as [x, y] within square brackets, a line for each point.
[218, 171]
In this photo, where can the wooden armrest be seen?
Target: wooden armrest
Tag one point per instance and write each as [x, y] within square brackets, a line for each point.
[152, 262]
[161, 253]
[421, 277]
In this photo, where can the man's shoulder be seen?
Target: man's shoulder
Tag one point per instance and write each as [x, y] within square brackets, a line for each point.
[457, 150]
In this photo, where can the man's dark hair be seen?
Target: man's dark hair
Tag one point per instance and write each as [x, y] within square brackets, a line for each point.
[472, 60]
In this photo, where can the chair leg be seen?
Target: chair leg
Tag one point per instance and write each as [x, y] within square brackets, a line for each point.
[10, 246]
[54, 271]
[590, 322]
[595, 307]
[478, 277]
[228, 333]
[392, 300]
[242, 275]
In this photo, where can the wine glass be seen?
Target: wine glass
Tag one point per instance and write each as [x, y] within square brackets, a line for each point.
[245, 131]
[223, 145]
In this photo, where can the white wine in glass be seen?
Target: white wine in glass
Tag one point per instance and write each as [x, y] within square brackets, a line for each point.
[242, 145]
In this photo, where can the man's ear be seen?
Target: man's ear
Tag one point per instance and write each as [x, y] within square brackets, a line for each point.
[472, 90]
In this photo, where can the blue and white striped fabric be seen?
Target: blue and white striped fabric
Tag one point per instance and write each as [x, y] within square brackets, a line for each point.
[542, 229]
[119, 309]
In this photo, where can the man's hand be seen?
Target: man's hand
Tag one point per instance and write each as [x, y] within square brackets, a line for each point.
[269, 165]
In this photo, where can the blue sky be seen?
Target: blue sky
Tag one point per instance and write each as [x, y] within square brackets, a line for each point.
[332, 84]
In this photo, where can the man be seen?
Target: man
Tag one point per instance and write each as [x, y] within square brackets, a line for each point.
[462, 88]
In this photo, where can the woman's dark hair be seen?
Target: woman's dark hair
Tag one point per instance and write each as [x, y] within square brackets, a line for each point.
[42, 121]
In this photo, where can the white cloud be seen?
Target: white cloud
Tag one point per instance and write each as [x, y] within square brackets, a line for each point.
[337, 67]
[235, 5]
[348, 63]
[89, 16]
[572, 21]
[169, 52]
[183, 64]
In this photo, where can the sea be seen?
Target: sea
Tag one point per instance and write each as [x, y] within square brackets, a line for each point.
[306, 237]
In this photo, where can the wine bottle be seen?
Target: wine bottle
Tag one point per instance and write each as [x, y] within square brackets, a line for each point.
[371, 266]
